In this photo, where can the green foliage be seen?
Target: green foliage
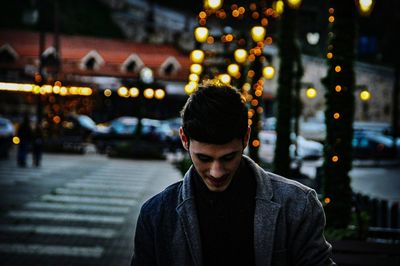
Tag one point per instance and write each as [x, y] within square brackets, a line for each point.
[357, 229]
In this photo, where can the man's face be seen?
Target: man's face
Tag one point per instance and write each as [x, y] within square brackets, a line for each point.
[216, 164]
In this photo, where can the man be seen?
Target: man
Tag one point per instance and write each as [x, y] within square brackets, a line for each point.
[228, 210]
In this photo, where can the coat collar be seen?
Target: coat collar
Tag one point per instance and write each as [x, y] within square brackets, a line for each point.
[266, 213]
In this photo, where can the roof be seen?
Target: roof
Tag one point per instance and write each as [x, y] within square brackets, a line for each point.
[111, 53]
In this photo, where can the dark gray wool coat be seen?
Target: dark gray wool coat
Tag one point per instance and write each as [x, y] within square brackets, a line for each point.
[288, 225]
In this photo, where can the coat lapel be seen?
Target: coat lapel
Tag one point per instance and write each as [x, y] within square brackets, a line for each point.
[188, 216]
[265, 217]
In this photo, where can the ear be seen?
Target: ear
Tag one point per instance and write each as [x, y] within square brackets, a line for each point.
[184, 139]
[246, 138]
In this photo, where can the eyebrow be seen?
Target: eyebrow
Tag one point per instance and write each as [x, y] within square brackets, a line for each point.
[208, 156]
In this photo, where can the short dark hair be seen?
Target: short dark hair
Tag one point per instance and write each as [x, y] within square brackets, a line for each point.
[216, 113]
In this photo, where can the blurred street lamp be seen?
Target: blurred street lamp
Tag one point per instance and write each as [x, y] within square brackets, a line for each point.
[365, 95]
[201, 34]
[294, 3]
[213, 4]
[258, 33]
[196, 69]
[197, 56]
[365, 6]
[148, 93]
[194, 77]
[240, 55]
[159, 94]
[268, 72]
[146, 75]
[224, 78]
[233, 70]
[123, 92]
[191, 87]
[311, 93]
[134, 92]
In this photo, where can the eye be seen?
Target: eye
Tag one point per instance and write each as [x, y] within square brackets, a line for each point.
[229, 157]
[204, 158]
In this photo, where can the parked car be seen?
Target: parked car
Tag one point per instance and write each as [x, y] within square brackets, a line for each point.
[6, 135]
[72, 134]
[373, 145]
[307, 149]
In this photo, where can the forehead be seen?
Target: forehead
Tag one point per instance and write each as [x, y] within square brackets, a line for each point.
[215, 150]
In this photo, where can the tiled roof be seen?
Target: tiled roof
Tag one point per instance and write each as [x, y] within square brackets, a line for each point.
[114, 52]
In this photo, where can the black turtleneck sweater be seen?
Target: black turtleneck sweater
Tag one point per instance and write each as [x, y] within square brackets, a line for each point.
[226, 220]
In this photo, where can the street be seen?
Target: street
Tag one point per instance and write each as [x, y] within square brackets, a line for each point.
[75, 209]
[82, 209]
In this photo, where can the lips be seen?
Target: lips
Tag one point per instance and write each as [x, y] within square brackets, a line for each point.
[218, 182]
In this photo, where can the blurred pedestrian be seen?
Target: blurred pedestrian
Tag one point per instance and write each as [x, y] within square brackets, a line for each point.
[24, 133]
[228, 210]
[37, 145]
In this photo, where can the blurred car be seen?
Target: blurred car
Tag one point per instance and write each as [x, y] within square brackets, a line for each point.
[124, 128]
[307, 149]
[6, 135]
[72, 134]
[373, 145]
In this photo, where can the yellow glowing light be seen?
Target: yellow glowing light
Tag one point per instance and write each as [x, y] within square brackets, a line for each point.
[123, 92]
[85, 91]
[191, 87]
[56, 89]
[335, 158]
[331, 10]
[258, 33]
[233, 70]
[254, 102]
[202, 15]
[210, 40]
[194, 77]
[159, 94]
[36, 89]
[107, 92]
[365, 6]
[329, 55]
[63, 91]
[338, 88]
[134, 92]
[201, 34]
[224, 78]
[246, 86]
[16, 140]
[235, 13]
[331, 19]
[294, 3]
[258, 93]
[48, 88]
[241, 10]
[260, 110]
[57, 83]
[365, 95]
[311, 93]
[268, 72]
[336, 115]
[197, 56]
[255, 143]
[73, 90]
[148, 93]
[279, 6]
[196, 69]
[338, 69]
[213, 4]
[56, 119]
[327, 200]
[240, 55]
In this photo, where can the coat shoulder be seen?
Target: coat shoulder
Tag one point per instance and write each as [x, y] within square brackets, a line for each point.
[168, 198]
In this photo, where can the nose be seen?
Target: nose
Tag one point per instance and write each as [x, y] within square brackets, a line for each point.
[217, 169]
